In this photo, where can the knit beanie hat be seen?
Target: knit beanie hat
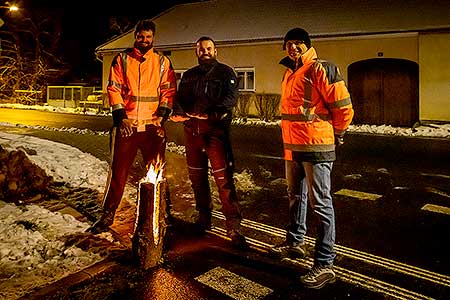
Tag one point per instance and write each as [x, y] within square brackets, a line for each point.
[297, 34]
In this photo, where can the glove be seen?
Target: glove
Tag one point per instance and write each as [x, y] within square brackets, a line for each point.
[126, 128]
[158, 123]
[339, 139]
[118, 115]
[120, 120]
[164, 113]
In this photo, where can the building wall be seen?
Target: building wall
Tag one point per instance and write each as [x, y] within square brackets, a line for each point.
[345, 51]
[264, 58]
[430, 51]
[434, 77]
[106, 64]
[342, 52]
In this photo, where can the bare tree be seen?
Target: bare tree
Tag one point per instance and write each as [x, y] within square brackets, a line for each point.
[119, 25]
[28, 58]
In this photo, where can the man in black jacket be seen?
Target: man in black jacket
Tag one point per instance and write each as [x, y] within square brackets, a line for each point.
[206, 97]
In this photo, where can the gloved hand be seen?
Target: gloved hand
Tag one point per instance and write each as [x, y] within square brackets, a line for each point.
[339, 139]
[121, 121]
[126, 127]
[158, 122]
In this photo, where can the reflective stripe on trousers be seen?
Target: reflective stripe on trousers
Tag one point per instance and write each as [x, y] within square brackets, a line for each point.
[201, 148]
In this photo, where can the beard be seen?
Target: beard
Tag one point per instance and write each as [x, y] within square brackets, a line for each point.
[204, 59]
[143, 47]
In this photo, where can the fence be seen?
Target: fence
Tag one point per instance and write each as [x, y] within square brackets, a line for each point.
[262, 105]
[73, 96]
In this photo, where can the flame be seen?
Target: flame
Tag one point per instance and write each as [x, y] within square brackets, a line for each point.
[154, 173]
[155, 176]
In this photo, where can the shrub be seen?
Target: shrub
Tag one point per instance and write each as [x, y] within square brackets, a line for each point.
[267, 106]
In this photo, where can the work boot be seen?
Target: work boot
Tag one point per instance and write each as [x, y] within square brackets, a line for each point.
[103, 223]
[202, 223]
[237, 239]
[318, 276]
[288, 249]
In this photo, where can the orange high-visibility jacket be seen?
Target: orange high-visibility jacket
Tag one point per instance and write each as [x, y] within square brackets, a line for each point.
[141, 84]
[315, 106]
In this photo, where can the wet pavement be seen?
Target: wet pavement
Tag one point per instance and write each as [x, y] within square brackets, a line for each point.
[392, 226]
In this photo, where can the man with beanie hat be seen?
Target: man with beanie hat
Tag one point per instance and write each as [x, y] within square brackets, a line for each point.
[315, 112]
[297, 34]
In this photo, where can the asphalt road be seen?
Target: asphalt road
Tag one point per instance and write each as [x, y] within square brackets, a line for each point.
[392, 212]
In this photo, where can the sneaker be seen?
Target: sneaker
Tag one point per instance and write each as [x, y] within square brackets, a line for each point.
[318, 276]
[103, 223]
[237, 240]
[286, 249]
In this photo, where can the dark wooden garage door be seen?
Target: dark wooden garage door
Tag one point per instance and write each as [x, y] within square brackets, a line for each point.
[384, 91]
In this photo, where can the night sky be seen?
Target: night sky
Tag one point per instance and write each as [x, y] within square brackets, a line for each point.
[83, 27]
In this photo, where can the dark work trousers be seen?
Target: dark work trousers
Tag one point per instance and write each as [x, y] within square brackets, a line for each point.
[123, 153]
[213, 145]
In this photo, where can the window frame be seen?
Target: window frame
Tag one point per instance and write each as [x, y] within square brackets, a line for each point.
[181, 72]
[246, 70]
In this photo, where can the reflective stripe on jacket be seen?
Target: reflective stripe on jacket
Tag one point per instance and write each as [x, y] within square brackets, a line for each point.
[141, 84]
[315, 105]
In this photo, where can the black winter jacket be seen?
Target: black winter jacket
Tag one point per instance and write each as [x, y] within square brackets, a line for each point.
[210, 88]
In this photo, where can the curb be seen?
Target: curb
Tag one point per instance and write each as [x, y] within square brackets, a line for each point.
[64, 285]
[397, 146]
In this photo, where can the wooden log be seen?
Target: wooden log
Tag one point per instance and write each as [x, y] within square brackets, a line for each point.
[151, 223]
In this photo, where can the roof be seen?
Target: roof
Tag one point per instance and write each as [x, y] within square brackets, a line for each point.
[234, 21]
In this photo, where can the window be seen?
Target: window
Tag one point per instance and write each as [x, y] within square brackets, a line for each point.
[178, 75]
[246, 78]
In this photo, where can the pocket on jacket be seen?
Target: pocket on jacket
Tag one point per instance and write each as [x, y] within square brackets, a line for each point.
[213, 89]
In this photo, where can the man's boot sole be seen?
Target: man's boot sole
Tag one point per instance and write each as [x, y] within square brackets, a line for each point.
[318, 287]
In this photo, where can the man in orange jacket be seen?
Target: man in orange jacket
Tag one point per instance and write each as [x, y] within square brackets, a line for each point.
[315, 112]
[141, 88]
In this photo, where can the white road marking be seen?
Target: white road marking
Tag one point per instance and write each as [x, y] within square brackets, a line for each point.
[437, 192]
[436, 175]
[358, 194]
[396, 266]
[233, 285]
[354, 278]
[437, 209]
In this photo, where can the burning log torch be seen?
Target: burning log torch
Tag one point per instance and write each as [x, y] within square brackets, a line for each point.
[151, 219]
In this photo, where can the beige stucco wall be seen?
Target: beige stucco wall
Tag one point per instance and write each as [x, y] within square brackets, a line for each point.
[431, 51]
[434, 77]
[107, 60]
[343, 52]
[264, 58]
